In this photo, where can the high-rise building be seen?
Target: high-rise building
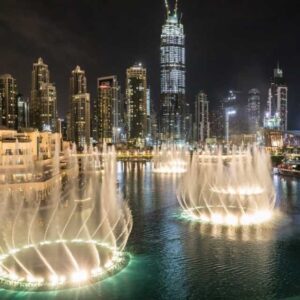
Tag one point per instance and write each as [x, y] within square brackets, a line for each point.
[64, 129]
[48, 109]
[23, 111]
[188, 123]
[154, 125]
[136, 98]
[217, 121]
[80, 109]
[78, 82]
[108, 103]
[68, 125]
[277, 110]
[94, 120]
[122, 115]
[172, 78]
[202, 125]
[8, 101]
[80, 120]
[148, 110]
[254, 114]
[234, 101]
[43, 101]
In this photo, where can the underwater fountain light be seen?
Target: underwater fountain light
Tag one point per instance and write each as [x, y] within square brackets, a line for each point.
[39, 279]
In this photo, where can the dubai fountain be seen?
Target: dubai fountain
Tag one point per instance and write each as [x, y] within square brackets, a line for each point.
[72, 235]
[170, 159]
[230, 190]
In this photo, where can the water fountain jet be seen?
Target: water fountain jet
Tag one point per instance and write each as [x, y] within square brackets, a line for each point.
[170, 159]
[230, 190]
[77, 238]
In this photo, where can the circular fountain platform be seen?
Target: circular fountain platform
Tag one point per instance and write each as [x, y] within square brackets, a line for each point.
[59, 264]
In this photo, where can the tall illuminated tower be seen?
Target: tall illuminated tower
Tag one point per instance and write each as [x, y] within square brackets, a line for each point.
[277, 107]
[136, 98]
[80, 108]
[43, 102]
[108, 109]
[8, 101]
[202, 125]
[172, 78]
[253, 110]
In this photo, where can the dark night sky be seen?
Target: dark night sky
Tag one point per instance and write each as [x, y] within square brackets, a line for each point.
[230, 44]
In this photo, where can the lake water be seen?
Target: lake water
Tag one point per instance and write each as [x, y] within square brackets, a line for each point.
[172, 258]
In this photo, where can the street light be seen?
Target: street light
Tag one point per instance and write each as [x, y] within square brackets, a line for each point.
[228, 113]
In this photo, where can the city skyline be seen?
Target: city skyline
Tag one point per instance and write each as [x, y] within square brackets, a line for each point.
[244, 67]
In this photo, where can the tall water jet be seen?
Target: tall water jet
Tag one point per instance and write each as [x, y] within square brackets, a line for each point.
[231, 190]
[74, 233]
[170, 159]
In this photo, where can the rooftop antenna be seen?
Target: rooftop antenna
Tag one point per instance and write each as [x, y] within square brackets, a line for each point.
[167, 7]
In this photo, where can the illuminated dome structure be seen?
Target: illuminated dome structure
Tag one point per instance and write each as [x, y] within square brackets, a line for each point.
[170, 160]
[232, 190]
[74, 236]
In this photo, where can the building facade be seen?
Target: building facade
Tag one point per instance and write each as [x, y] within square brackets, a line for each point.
[276, 116]
[8, 102]
[108, 104]
[136, 99]
[172, 78]
[254, 111]
[80, 109]
[202, 125]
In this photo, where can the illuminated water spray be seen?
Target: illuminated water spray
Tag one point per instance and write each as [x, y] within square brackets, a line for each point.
[234, 190]
[170, 159]
[73, 234]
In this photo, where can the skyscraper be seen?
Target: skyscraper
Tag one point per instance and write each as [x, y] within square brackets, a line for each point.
[23, 111]
[94, 120]
[48, 107]
[234, 102]
[80, 108]
[188, 123]
[136, 98]
[277, 109]
[108, 109]
[202, 126]
[43, 101]
[8, 101]
[217, 121]
[254, 114]
[172, 78]
[148, 110]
